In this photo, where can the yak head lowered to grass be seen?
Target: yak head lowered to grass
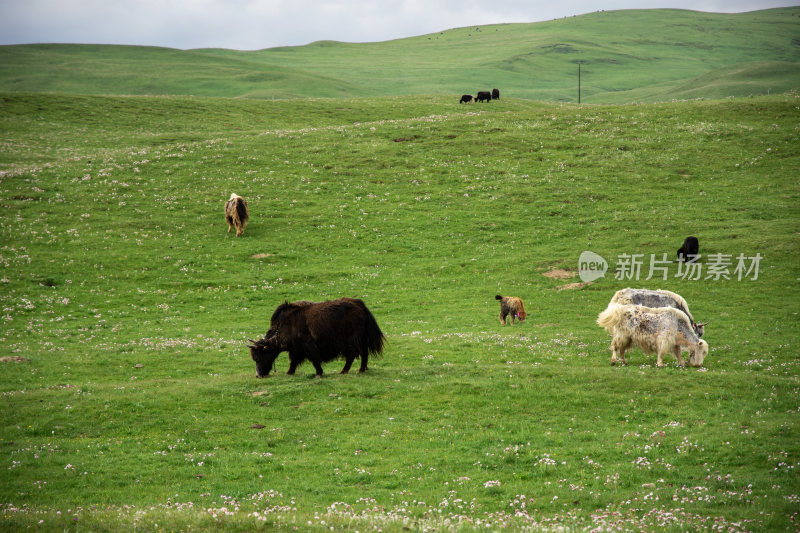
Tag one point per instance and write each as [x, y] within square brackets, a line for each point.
[264, 352]
[319, 332]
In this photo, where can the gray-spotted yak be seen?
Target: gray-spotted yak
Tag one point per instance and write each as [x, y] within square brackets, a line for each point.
[662, 330]
[657, 298]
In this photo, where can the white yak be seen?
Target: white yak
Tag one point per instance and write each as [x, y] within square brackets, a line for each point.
[659, 330]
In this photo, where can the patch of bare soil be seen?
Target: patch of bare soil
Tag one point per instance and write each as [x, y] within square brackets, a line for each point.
[14, 359]
[262, 256]
[560, 273]
[572, 286]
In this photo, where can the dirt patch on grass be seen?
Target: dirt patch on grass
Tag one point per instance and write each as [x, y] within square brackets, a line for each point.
[560, 273]
[572, 286]
[262, 256]
[14, 359]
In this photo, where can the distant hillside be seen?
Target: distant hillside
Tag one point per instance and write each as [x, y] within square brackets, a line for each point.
[631, 55]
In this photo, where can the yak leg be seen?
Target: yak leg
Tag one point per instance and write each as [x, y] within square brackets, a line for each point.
[502, 318]
[348, 362]
[292, 365]
[617, 354]
[364, 358]
[660, 357]
[317, 355]
[677, 353]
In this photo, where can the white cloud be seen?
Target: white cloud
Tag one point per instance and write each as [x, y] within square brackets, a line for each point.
[256, 24]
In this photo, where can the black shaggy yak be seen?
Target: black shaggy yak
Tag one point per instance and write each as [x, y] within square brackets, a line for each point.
[319, 332]
[690, 250]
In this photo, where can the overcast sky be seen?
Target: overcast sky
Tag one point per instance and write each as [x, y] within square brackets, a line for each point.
[257, 24]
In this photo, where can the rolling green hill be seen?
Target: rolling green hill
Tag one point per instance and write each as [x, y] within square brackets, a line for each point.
[631, 55]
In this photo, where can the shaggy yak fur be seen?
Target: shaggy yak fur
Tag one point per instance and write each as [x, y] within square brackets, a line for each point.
[236, 214]
[511, 305]
[319, 332]
[661, 330]
[658, 298]
[690, 250]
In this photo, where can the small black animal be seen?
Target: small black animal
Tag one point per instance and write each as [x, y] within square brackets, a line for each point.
[319, 332]
[689, 252]
[484, 96]
[495, 94]
[465, 99]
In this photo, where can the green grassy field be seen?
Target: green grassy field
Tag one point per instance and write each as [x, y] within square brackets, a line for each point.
[131, 402]
[626, 56]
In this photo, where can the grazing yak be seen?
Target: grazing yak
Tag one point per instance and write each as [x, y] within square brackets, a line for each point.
[495, 94]
[236, 214]
[465, 99]
[319, 332]
[484, 96]
[690, 250]
[511, 305]
[658, 298]
[661, 330]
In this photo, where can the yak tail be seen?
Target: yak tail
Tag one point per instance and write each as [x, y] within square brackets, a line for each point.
[240, 211]
[374, 336]
[611, 317]
[681, 302]
[498, 297]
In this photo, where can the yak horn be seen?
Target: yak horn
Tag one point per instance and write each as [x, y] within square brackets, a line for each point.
[701, 324]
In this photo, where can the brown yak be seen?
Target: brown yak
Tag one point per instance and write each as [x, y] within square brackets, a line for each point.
[511, 305]
[319, 332]
[236, 214]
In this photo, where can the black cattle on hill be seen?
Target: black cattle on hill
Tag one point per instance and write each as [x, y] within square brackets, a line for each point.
[690, 250]
[484, 96]
[495, 94]
[465, 99]
[319, 332]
